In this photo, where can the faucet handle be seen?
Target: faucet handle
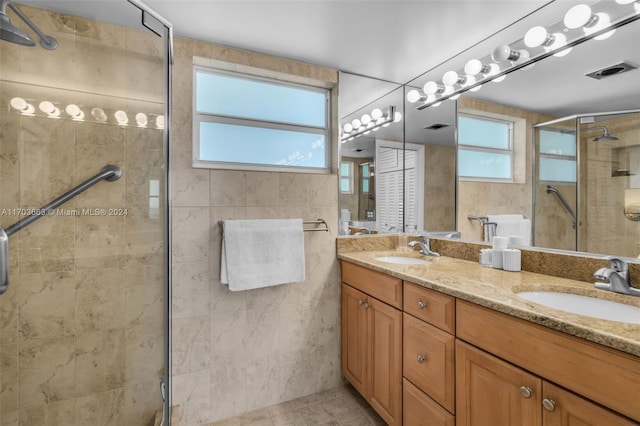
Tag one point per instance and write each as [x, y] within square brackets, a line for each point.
[617, 264]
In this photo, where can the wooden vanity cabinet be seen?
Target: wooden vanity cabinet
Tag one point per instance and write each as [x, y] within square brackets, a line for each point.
[490, 386]
[372, 339]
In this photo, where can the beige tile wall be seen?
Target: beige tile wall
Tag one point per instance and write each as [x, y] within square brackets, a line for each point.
[234, 352]
[81, 327]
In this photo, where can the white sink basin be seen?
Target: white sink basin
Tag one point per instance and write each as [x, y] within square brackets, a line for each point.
[401, 260]
[584, 305]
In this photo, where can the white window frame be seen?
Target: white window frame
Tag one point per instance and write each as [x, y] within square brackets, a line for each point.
[350, 177]
[508, 151]
[572, 158]
[200, 117]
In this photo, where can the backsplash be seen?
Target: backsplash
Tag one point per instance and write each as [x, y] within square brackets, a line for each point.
[574, 266]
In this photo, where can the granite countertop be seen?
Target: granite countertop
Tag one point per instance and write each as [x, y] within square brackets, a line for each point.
[496, 289]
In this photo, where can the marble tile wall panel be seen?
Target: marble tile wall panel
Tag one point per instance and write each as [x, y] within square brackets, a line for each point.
[261, 343]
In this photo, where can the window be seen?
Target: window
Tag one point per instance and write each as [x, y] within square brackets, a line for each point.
[246, 122]
[557, 156]
[366, 176]
[346, 177]
[485, 149]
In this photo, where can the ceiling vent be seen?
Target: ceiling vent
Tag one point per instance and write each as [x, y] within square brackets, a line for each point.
[611, 70]
[437, 126]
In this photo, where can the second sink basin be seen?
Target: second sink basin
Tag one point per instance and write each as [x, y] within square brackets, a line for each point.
[401, 260]
[584, 305]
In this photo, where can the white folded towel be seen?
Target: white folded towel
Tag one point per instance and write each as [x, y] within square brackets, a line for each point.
[515, 227]
[500, 217]
[261, 253]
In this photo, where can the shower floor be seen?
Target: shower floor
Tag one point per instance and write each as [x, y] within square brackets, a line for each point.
[341, 406]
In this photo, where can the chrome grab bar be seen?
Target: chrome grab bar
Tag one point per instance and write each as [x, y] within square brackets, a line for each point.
[109, 172]
[550, 189]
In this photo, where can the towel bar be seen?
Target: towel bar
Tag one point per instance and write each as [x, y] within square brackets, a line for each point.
[308, 222]
[480, 219]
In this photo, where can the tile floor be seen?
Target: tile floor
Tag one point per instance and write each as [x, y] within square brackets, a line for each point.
[341, 406]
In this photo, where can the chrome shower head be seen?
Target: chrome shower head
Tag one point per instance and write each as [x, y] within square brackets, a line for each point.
[605, 135]
[13, 34]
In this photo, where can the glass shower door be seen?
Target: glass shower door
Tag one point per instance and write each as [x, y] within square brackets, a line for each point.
[555, 214]
[82, 338]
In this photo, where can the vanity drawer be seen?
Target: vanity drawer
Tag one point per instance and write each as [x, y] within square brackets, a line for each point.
[383, 287]
[420, 410]
[431, 306]
[428, 360]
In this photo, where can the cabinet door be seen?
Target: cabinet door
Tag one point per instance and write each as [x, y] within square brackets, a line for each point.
[563, 408]
[354, 338]
[492, 392]
[385, 361]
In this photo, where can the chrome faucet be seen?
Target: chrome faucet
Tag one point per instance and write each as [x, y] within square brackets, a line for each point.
[425, 247]
[618, 276]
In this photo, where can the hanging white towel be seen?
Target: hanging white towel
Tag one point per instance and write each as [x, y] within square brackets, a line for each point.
[261, 253]
[514, 227]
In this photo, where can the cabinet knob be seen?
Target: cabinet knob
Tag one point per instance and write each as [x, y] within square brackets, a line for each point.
[421, 358]
[549, 404]
[360, 302]
[421, 305]
[366, 305]
[526, 391]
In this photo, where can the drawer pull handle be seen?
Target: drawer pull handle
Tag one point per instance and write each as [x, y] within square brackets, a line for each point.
[549, 404]
[366, 305]
[421, 358]
[421, 305]
[526, 391]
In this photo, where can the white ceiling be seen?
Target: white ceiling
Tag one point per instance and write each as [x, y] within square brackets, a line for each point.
[394, 40]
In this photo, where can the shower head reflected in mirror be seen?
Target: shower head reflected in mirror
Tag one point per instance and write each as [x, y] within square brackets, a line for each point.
[605, 136]
[13, 34]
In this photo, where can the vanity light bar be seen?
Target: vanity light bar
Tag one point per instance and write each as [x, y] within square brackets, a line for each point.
[582, 22]
[369, 123]
[58, 110]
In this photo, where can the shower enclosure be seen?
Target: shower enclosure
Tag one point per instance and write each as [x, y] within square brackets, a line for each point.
[84, 318]
[587, 183]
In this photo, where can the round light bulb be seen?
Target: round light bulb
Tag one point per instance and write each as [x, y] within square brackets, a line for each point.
[366, 119]
[577, 16]
[18, 103]
[431, 88]
[413, 96]
[473, 67]
[450, 78]
[74, 111]
[502, 53]
[493, 69]
[536, 36]
[347, 127]
[437, 104]
[524, 56]
[469, 80]
[141, 119]
[475, 89]
[47, 107]
[376, 113]
[562, 53]
[602, 22]
[454, 97]
[397, 116]
[160, 122]
[625, 1]
[356, 123]
[121, 117]
[447, 91]
[500, 79]
[99, 114]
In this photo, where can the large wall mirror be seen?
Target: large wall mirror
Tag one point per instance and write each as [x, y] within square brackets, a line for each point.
[574, 166]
